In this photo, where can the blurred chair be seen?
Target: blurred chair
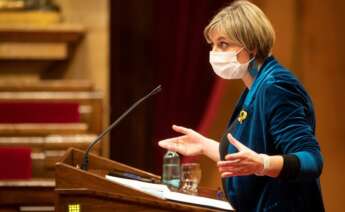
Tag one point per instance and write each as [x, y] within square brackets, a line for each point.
[15, 163]
[38, 122]
[49, 121]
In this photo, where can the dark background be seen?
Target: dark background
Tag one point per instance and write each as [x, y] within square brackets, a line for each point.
[157, 42]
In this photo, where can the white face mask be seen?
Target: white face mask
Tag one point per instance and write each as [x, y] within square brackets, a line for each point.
[226, 65]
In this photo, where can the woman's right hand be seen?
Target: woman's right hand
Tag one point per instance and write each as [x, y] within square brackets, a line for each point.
[189, 144]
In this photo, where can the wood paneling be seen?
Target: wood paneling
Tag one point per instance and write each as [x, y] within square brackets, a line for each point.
[42, 129]
[91, 60]
[322, 62]
[31, 51]
[310, 42]
[15, 193]
[42, 85]
[62, 32]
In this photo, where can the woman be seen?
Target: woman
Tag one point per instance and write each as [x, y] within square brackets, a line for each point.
[268, 158]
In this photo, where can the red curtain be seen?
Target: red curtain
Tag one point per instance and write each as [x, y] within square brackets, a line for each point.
[181, 65]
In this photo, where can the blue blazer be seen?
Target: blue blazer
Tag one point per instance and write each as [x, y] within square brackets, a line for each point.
[279, 120]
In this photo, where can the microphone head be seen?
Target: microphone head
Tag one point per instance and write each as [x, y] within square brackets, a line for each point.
[159, 88]
[156, 90]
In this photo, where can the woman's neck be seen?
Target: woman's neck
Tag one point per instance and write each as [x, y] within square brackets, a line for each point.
[248, 79]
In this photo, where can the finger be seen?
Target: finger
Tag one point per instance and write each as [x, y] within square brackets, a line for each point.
[169, 142]
[245, 171]
[235, 156]
[226, 169]
[174, 144]
[236, 143]
[169, 146]
[242, 172]
[234, 174]
[228, 163]
[242, 167]
[164, 143]
[174, 139]
[180, 129]
[234, 170]
[226, 174]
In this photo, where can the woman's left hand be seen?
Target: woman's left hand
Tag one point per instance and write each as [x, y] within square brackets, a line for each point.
[244, 162]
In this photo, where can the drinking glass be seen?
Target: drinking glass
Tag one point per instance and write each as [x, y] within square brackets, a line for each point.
[190, 177]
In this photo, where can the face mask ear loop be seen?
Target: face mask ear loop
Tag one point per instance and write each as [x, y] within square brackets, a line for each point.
[239, 51]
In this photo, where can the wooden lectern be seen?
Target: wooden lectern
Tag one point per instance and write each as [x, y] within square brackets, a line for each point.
[79, 190]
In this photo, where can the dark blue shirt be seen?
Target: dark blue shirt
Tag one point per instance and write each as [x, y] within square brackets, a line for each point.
[279, 120]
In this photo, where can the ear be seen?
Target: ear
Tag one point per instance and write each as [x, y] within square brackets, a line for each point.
[252, 53]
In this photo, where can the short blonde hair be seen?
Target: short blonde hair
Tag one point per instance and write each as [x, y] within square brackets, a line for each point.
[244, 23]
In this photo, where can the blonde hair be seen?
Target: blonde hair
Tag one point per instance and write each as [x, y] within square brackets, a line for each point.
[244, 23]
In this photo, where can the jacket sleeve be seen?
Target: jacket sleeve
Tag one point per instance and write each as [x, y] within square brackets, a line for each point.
[290, 118]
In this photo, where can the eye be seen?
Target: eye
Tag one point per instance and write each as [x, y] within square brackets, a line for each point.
[223, 45]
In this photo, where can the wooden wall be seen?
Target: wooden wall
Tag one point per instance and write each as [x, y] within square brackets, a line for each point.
[322, 62]
[310, 42]
[91, 60]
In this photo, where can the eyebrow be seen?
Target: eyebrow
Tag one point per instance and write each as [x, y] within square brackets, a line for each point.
[221, 38]
[218, 39]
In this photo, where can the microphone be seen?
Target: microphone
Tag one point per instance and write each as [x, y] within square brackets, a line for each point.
[85, 162]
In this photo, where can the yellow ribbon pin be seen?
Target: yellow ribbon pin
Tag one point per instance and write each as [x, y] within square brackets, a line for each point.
[242, 116]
